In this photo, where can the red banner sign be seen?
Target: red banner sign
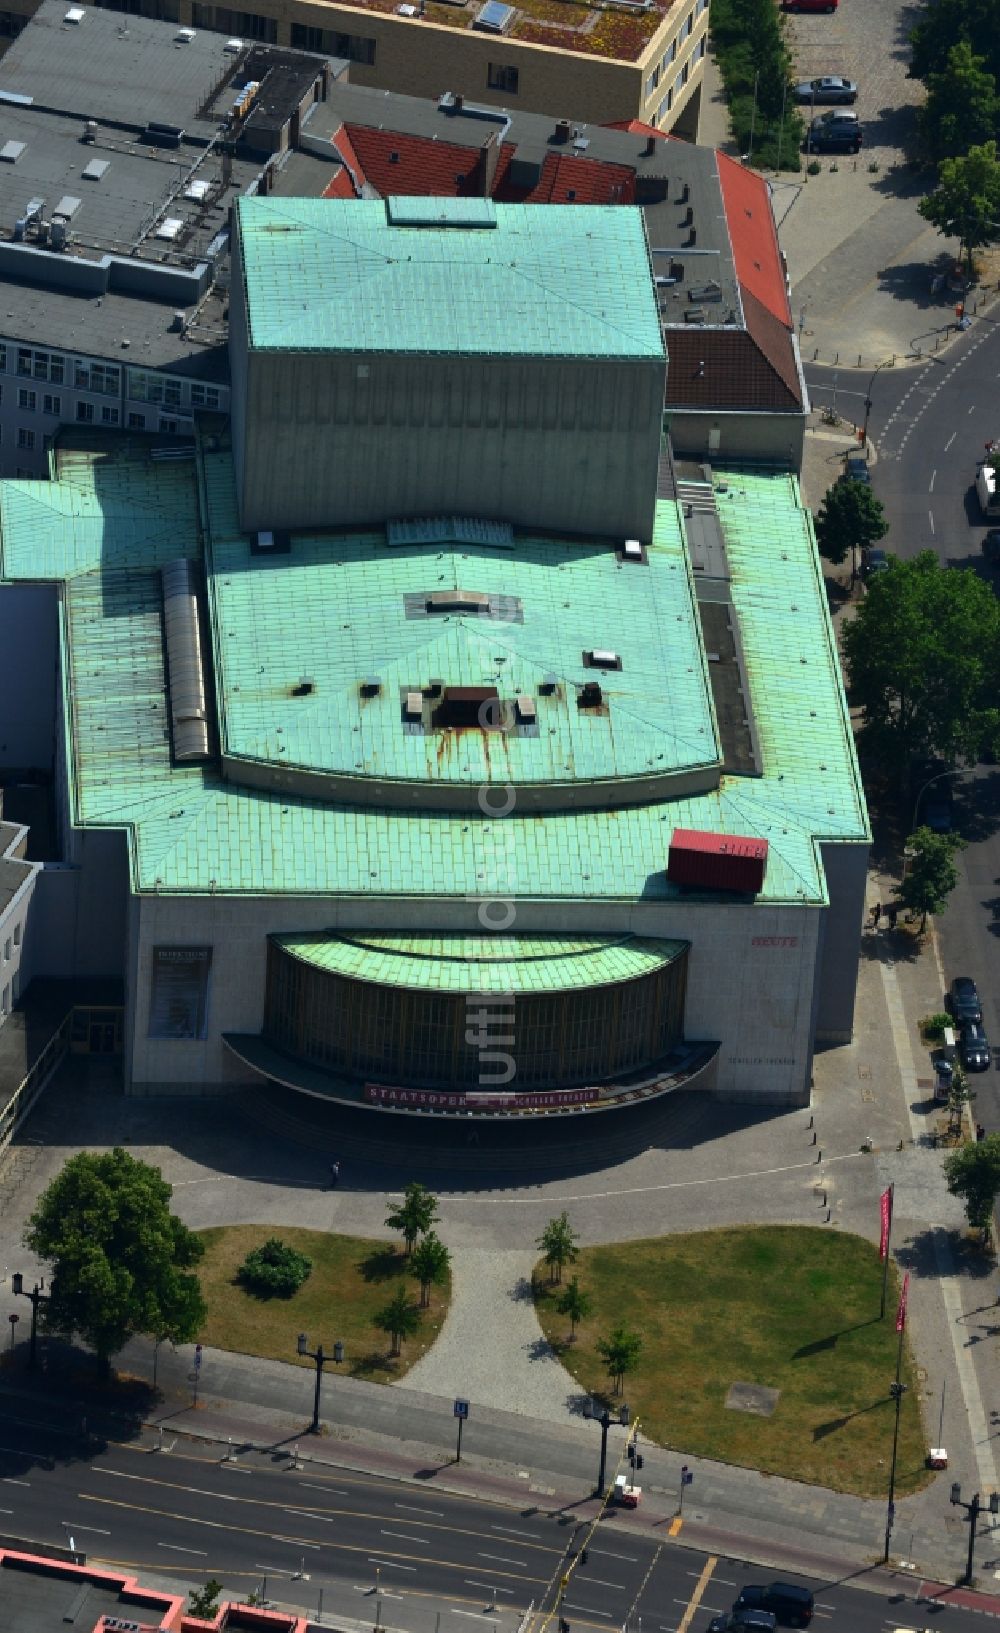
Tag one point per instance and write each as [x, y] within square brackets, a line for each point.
[436, 1099]
[901, 1312]
[886, 1209]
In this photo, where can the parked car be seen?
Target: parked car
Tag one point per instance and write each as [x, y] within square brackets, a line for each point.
[828, 88]
[856, 469]
[937, 813]
[991, 546]
[963, 1000]
[743, 1621]
[974, 1048]
[873, 562]
[835, 132]
[809, 5]
[787, 1602]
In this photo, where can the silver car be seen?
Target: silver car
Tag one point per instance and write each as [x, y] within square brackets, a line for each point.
[831, 88]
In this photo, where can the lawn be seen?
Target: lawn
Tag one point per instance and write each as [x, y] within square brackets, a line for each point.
[793, 1309]
[351, 1279]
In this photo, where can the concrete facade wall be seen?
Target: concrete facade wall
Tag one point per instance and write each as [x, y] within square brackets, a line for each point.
[28, 670]
[705, 435]
[750, 976]
[541, 443]
[76, 926]
[14, 914]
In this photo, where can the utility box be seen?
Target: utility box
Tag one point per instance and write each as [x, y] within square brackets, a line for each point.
[708, 861]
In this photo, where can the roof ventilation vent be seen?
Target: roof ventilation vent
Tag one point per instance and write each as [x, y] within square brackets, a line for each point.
[602, 657]
[233, 45]
[89, 131]
[562, 130]
[527, 714]
[632, 550]
[305, 687]
[458, 601]
[590, 695]
[494, 17]
[11, 151]
[184, 36]
[185, 664]
[371, 686]
[694, 314]
[549, 684]
[413, 706]
[75, 15]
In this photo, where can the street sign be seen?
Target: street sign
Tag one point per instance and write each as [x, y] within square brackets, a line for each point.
[197, 1357]
[461, 1409]
[687, 1478]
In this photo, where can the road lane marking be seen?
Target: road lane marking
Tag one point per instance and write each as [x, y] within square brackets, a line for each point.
[488, 1586]
[6, 1511]
[383, 1593]
[673, 1529]
[234, 1468]
[392, 1564]
[933, 480]
[406, 1536]
[72, 1525]
[310, 1514]
[972, 410]
[526, 1536]
[312, 1486]
[951, 439]
[588, 1610]
[697, 1594]
[9, 1481]
[604, 1583]
[605, 1553]
[175, 1548]
[504, 1559]
[930, 518]
[432, 1513]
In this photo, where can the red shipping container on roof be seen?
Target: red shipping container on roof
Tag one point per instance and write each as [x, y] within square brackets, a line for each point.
[717, 861]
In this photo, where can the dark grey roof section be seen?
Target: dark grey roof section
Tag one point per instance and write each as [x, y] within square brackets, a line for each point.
[119, 68]
[37, 1601]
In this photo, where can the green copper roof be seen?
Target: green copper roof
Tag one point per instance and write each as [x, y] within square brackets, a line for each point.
[514, 964]
[339, 609]
[464, 276]
[190, 831]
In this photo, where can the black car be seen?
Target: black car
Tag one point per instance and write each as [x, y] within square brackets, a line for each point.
[856, 469]
[743, 1621]
[964, 1003]
[785, 1601]
[991, 546]
[974, 1047]
[835, 132]
[874, 561]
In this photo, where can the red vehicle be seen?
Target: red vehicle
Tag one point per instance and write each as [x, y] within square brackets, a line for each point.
[809, 5]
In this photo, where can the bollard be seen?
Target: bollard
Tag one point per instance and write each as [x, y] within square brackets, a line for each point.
[814, 1137]
[819, 1156]
[859, 354]
[829, 1215]
[812, 1121]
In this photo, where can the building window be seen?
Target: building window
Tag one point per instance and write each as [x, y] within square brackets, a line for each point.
[246, 23]
[3, 360]
[145, 387]
[51, 404]
[689, 25]
[700, 49]
[36, 365]
[5, 1000]
[6, 951]
[168, 426]
[26, 400]
[502, 77]
[673, 51]
[355, 47]
[652, 82]
[85, 413]
[102, 377]
[109, 415]
[17, 935]
[25, 438]
[137, 422]
[205, 396]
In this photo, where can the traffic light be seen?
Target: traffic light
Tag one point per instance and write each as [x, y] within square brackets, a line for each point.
[638, 1460]
[631, 1454]
[563, 1625]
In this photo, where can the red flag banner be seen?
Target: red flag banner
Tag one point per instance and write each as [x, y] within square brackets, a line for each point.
[901, 1312]
[886, 1210]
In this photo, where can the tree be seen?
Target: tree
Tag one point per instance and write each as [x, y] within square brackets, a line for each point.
[120, 1260]
[944, 23]
[850, 518]
[204, 1602]
[274, 1269]
[430, 1263]
[400, 1318]
[620, 1353]
[575, 1303]
[931, 875]
[415, 1214]
[922, 654]
[962, 107]
[973, 1173]
[965, 204]
[960, 1095]
[558, 1243]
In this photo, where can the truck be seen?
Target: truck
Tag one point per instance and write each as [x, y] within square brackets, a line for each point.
[986, 482]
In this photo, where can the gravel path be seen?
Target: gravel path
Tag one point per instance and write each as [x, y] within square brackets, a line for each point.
[491, 1350]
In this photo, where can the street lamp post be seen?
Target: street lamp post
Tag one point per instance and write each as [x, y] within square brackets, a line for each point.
[319, 1356]
[605, 1417]
[886, 363]
[973, 1511]
[37, 1297]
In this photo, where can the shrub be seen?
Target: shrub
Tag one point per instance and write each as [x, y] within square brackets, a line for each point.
[932, 1026]
[814, 167]
[274, 1269]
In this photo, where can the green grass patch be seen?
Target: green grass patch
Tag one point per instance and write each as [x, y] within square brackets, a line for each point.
[791, 1308]
[351, 1279]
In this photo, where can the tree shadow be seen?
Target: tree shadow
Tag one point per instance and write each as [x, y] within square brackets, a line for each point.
[382, 1264]
[366, 1366]
[926, 1254]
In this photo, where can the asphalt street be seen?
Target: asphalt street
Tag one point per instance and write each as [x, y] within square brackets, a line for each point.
[381, 1550]
[929, 423]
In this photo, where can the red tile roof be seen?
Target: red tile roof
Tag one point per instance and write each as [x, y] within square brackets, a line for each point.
[567, 179]
[727, 369]
[344, 148]
[340, 187]
[637, 128]
[753, 236]
[418, 167]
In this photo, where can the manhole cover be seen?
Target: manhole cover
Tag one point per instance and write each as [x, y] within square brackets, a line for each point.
[756, 1398]
[868, 1096]
[864, 1071]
